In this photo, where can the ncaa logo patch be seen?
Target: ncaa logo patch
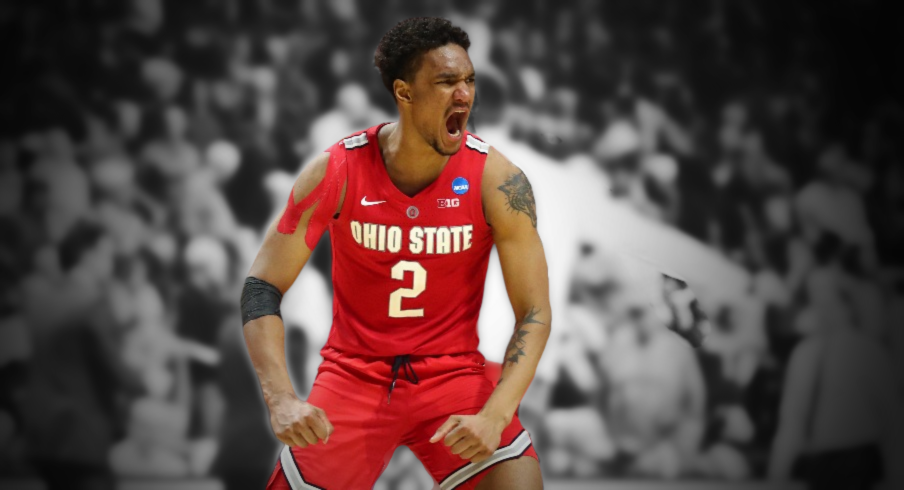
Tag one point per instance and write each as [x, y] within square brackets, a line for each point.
[460, 185]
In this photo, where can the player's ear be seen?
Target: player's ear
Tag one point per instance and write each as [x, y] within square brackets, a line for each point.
[402, 91]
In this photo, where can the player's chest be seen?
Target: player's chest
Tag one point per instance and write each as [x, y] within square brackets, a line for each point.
[439, 220]
[410, 228]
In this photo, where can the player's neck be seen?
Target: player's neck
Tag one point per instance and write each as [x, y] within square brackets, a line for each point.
[411, 163]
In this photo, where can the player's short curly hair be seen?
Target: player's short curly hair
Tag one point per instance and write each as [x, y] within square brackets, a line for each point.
[399, 53]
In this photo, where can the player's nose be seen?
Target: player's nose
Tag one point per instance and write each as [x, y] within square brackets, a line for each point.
[462, 93]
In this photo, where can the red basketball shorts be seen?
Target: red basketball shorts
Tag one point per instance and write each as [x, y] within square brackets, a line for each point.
[369, 425]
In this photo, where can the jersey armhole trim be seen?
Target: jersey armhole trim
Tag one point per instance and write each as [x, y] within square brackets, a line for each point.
[475, 144]
[355, 141]
[343, 184]
[482, 173]
[325, 213]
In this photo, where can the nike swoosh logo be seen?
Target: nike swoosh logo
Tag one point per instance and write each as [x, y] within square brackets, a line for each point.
[365, 202]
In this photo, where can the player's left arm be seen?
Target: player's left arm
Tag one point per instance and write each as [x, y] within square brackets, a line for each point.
[511, 211]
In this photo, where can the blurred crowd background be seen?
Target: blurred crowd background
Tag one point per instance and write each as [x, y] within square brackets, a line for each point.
[146, 145]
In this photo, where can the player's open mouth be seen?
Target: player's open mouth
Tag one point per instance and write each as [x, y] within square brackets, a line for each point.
[455, 123]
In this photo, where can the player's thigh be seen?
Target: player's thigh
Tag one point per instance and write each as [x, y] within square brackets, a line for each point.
[515, 474]
[365, 434]
[463, 394]
[454, 473]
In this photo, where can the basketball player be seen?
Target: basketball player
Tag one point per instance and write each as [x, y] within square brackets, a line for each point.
[413, 209]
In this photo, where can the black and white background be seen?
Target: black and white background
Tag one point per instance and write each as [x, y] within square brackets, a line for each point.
[720, 191]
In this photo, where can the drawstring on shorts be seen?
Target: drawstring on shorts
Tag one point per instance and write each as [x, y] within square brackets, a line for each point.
[403, 362]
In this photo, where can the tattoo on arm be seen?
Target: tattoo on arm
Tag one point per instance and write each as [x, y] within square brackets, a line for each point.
[520, 196]
[515, 349]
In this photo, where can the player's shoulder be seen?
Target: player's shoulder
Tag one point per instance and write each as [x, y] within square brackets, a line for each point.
[478, 146]
[498, 167]
[505, 187]
[332, 159]
[312, 173]
[315, 169]
[356, 140]
[474, 143]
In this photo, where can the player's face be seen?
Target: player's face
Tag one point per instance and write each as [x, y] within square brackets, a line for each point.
[441, 97]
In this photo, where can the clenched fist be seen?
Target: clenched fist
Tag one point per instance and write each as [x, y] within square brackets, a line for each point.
[298, 423]
[471, 437]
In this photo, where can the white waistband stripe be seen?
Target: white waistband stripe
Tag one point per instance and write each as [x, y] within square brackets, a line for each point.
[292, 473]
[513, 450]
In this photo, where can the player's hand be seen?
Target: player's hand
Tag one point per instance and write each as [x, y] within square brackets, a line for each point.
[471, 437]
[298, 423]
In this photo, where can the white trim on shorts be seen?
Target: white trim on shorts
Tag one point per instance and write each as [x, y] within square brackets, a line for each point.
[512, 451]
[293, 474]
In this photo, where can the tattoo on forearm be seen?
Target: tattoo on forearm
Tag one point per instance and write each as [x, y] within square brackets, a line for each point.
[520, 196]
[515, 349]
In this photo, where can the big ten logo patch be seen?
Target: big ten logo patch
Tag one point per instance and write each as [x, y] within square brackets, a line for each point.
[448, 203]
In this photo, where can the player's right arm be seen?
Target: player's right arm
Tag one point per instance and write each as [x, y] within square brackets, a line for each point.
[282, 255]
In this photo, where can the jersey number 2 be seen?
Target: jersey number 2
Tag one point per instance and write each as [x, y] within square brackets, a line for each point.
[417, 287]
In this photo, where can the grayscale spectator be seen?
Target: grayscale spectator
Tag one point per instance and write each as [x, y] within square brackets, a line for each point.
[71, 409]
[655, 396]
[840, 424]
[352, 110]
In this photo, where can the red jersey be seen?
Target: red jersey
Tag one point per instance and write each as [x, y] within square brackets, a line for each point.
[408, 272]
